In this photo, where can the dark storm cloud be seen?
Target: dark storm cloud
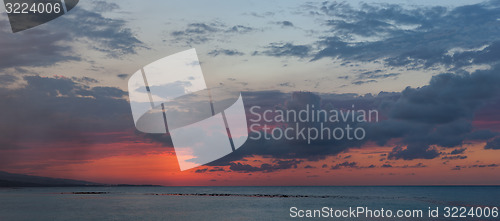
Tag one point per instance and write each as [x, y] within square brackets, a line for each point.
[417, 37]
[447, 98]
[482, 134]
[35, 47]
[53, 43]
[293, 149]
[65, 121]
[7, 79]
[493, 144]
[51, 111]
[415, 121]
[439, 113]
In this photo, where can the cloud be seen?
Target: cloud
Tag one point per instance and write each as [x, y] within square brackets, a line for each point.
[417, 150]
[416, 121]
[287, 84]
[201, 170]
[227, 52]
[85, 80]
[262, 15]
[476, 166]
[278, 165]
[459, 157]
[102, 6]
[285, 50]
[8, 79]
[285, 24]
[122, 76]
[32, 48]
[60, 120]
[493, 144]
[440, 113]
[71, 109]
[198, 28]
[484, 165]
[108, 35]
[217, 169]
[458, 151]
[54, 43]
[412, 37]
[203, 32]
[345, 165]
[56, 121]
[363, 82]
[240, 29]
[418, 165]
[376, 74]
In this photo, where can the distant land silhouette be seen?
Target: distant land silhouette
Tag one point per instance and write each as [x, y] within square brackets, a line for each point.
[21, 180]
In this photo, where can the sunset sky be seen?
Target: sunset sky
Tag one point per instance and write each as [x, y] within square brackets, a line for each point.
[431, 69]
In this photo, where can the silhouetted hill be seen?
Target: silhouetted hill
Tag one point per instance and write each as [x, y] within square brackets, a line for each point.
[20, 180]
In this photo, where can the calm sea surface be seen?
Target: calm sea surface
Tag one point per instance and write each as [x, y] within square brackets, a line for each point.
[230, 203]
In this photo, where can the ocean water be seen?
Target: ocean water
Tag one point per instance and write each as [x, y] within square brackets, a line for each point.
[232, 203]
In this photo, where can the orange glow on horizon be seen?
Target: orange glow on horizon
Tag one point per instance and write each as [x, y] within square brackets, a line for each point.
[371, 168]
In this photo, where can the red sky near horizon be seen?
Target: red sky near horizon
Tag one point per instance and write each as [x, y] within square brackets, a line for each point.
[150, 163]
